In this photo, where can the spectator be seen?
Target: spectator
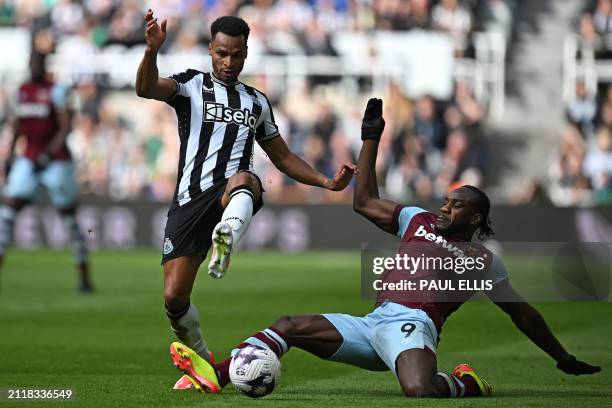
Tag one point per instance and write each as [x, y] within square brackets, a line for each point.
[426, 123]
[497, 17]
[602, 17]
[392, 15]
[591, 43]
[569, 185]
[66, 16]
[419, 17]
[598, 161]
[126, 24]
[581, 111]
[452, 17]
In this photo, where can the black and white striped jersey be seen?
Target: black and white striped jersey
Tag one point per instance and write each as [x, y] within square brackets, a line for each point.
[217, 123]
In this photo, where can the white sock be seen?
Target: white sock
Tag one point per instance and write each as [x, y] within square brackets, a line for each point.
[238, 213]
[7, 219]
[187, 330]
[77, 239]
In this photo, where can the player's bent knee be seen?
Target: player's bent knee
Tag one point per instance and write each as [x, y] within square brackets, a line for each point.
[175, 299]
[294, 325]
[290, 325]
[244, 179]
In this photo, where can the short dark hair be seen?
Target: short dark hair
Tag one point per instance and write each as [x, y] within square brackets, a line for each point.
[483, 204]
[230, 25]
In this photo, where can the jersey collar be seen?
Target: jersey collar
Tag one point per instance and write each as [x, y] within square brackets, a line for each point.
[220, 82]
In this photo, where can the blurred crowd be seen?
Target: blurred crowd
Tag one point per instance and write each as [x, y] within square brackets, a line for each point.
[426, 147]
[595, 29]
[580, 169]
[277, 26]
[126, 147]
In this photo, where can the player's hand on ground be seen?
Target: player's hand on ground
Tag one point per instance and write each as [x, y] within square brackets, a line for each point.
[373, 123]
[342, 178]
[155, 34]
[576, 367]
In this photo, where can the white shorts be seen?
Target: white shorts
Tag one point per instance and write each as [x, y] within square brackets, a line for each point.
[57, 177]
[376, 340]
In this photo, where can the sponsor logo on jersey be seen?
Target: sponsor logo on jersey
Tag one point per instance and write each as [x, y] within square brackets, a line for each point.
[168, 247]
[32, 110]
[207, 89]
[217, 112]
[438, 239]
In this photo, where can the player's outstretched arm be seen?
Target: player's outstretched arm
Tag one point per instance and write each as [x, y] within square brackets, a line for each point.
[296, 168]
[148, 83]
[366, 200]
[529, 321]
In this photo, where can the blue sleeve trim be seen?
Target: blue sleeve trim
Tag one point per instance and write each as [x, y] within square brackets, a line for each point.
[59, 96]
[405, 217]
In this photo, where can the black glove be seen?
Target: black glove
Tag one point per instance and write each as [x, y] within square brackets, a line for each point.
[373, 123]
[42, 161]
[572, 366]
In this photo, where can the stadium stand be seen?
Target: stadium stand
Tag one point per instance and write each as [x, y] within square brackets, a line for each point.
[580, 167]
[317, 60]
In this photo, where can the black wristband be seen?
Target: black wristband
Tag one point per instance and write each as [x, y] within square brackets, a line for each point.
[369, 135]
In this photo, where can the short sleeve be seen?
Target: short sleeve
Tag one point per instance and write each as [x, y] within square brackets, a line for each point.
[59, 96]
[267, 128]
[497, 272]
[402, 217]
[181, 79]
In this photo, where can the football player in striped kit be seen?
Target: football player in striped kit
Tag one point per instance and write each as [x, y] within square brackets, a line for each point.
[217, 193]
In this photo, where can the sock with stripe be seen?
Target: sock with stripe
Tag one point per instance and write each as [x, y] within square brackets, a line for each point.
[77, 239]
[186, 325]
[269, 338]
[238, 212]
[460, 386]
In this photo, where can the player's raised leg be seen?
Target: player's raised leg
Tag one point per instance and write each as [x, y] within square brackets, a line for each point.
[418, 377]
[242, 192]
[179, 276]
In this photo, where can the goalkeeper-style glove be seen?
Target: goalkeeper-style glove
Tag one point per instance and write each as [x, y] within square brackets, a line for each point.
[373, 123]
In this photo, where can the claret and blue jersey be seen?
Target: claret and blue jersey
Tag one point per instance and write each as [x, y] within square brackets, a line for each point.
[416, 229]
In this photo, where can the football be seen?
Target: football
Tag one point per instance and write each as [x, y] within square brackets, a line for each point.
[255, 371]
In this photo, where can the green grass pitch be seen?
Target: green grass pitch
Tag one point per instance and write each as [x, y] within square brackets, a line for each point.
[112, 347]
